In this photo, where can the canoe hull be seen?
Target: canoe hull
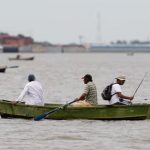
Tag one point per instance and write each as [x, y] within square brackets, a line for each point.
[100, 112]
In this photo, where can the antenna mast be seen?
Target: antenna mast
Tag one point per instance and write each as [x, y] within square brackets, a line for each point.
[99, 38]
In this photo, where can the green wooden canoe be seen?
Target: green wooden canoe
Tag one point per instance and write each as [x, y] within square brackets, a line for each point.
[99, 112]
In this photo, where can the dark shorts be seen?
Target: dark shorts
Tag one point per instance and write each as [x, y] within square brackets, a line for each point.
[119, 103]
[123, 102]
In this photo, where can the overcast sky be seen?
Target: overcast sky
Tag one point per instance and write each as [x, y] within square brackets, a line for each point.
[69, 21]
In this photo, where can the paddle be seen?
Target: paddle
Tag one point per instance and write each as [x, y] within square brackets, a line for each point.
[12, 66]
[139, 84]
[42, 116]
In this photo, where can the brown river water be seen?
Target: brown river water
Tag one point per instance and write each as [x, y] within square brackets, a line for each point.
[60, 76]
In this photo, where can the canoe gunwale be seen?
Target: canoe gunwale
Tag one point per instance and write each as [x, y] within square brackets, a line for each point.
[54, 105]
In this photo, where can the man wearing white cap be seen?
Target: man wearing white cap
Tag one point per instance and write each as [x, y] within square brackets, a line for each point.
[117, 97]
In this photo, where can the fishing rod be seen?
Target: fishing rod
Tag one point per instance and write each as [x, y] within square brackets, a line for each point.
[140, 84]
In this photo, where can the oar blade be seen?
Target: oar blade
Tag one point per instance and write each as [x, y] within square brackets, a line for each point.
[42, 116]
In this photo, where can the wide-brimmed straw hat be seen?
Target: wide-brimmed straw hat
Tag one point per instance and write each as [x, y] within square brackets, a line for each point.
[121, 78]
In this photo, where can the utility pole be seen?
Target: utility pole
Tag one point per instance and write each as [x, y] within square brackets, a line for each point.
[80, 39]
[99, 35]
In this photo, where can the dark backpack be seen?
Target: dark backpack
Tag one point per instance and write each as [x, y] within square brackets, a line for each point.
[106, 94]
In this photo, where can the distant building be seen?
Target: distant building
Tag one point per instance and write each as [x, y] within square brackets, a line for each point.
[19, 40]
[1, 48]
[73, 48]
[10, 49]
[45, 47]
[26, 48]
[51, 48]
[121, 47]
[12, 43]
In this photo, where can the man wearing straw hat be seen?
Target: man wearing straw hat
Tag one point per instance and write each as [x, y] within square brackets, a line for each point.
[118, 98]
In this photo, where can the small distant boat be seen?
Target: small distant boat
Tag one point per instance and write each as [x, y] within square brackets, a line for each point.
[21, 58]
[130, 53]
[2, 69]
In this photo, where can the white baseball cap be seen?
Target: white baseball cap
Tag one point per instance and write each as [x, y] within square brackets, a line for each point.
[121, 78]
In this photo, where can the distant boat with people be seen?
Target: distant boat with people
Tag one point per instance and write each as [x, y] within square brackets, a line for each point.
[18, 57]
